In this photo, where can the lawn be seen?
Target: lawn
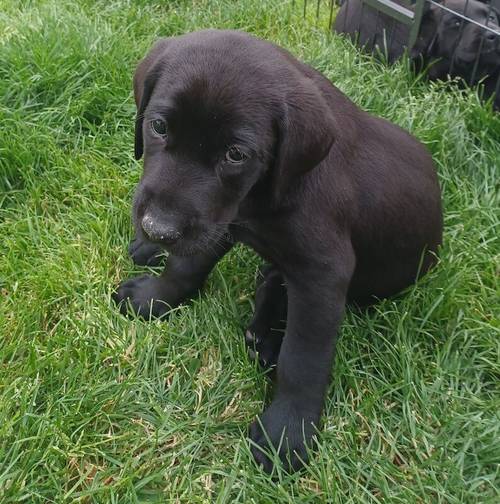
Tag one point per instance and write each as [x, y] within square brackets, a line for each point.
[98, 408]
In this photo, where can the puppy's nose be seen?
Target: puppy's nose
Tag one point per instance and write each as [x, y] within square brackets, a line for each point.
[160, 231]
[491, 36]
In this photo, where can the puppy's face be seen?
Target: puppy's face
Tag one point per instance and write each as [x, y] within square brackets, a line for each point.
[207, 142]
[467, 40]
[218, 113]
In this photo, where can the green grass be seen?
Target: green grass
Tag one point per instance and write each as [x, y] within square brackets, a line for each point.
[98, 408]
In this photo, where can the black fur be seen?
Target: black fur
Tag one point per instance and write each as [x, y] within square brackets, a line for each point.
[440, 37]
[343, 205]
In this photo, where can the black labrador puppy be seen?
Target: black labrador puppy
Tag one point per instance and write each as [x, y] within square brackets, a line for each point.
[446, 44]
[242, 142]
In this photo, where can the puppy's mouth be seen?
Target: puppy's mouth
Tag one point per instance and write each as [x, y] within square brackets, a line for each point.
[193, 241]
[487, 48]
[488, 59]
[207, 242]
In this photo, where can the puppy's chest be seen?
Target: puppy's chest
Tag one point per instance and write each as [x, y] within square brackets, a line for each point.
[260, 238]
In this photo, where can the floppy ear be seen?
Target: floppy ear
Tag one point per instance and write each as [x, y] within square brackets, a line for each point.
[496, 11]
[145, 77]
[427, 36]
[148, 87]
[306, 132]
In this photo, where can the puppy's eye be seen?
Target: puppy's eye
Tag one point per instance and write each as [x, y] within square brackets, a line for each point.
[235, 156]
[159, 127]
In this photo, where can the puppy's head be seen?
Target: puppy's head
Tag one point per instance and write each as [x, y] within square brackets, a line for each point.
[446, 35]
[218, 114]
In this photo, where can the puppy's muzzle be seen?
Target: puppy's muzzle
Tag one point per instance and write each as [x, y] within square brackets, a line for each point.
[160, 230]
[492, 40]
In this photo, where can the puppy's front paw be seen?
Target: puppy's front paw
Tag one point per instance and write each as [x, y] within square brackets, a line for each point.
[264, 348]
[146, 296]
[287, 430]
[144, 253]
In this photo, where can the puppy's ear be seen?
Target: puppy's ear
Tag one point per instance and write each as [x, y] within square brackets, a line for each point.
[427, 36]
[306, 131]
[145, 78]
[497, 12]
[148, 87]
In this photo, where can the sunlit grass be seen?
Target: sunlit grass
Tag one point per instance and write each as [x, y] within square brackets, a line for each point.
[97, 408]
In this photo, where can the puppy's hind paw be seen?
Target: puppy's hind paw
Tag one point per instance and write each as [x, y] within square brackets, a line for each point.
[265, 350]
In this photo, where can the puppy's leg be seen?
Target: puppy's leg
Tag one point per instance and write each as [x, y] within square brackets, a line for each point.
[183, 277]
[145, 253]
[316, 301]
[265, 331]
